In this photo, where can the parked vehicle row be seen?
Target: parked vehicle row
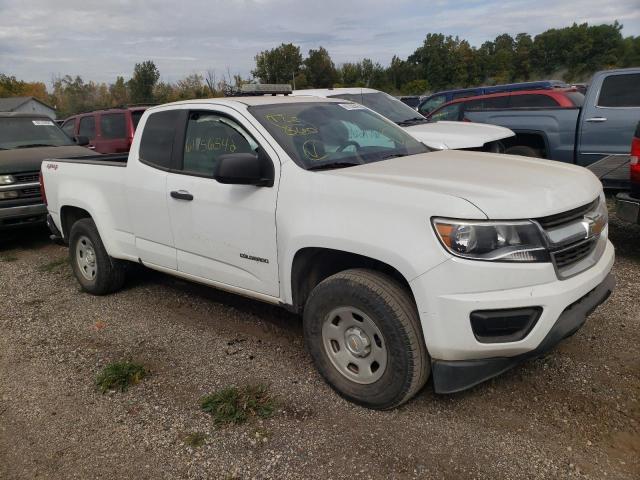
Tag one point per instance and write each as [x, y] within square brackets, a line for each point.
[429, 103]
[404, 262]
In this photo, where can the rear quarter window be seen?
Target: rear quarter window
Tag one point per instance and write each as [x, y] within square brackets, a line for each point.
[620, 91]
[156, 144]
[113, 125]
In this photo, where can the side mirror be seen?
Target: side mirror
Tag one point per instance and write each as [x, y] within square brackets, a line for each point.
[245, 169]
[81, 140]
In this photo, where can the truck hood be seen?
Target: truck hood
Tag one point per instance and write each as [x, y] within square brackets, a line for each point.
[501, 186]
[29, 159]
[456, 135]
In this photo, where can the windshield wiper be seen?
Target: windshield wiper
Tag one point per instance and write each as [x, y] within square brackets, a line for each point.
[325, 166]
[412, 121]
[33, 145]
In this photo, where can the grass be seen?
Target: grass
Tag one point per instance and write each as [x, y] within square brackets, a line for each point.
[234, 405]
[195, 439]
[53, 265]
[120, 375]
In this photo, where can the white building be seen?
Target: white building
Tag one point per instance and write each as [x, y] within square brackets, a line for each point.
[26, 105]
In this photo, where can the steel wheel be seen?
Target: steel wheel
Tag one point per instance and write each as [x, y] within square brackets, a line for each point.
[354, 344]
[86, 258]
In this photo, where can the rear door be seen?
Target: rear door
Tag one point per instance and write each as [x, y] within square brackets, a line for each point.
[223, 233]
[147, 188]
[113, 137]
[607, 125]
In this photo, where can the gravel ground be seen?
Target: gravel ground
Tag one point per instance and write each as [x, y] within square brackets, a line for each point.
[573, 414]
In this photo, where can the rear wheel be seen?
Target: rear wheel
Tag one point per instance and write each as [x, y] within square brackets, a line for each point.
[92, 266]
[363, 332]
[524, 151]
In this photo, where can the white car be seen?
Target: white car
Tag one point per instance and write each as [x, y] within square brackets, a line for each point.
[404, 262]
[440, 135]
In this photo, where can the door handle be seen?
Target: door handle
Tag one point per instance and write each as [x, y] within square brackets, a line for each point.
[596, 119]
[181, 195]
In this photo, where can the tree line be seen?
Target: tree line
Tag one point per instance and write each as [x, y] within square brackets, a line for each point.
[573, 54]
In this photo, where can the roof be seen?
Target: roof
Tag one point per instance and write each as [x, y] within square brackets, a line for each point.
[23, 115]
[9, 104]
[252, 100]
[326, 92]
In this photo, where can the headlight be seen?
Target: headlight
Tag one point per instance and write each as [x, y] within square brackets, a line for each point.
[7, 179]
[492, 241]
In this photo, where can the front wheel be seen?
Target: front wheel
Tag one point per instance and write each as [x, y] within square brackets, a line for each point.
[363, 332]
[523, 151]
[92, 266]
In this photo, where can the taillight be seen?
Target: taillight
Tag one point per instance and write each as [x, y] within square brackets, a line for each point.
[635, 159]
[42, 192]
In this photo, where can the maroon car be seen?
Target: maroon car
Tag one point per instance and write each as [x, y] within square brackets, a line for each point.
[108, 131]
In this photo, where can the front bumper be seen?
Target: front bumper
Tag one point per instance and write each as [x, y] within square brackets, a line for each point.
[24, 215]
[627, 208]
[454, 376]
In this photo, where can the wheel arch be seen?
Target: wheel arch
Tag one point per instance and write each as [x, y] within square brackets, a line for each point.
[311, 265]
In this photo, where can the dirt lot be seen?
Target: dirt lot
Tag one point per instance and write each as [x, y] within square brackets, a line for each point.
[574, 413]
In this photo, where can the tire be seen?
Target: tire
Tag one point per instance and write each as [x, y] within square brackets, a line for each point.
[95, 270]
[388, 318]
[523, 151]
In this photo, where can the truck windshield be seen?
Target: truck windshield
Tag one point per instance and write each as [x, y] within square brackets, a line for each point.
[28, 132]
[332, 135]
[385, 105]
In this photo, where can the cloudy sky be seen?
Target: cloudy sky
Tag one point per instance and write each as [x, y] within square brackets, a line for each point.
[102, 39]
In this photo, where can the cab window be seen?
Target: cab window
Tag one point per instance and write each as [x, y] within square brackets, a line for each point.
[208, 137]
[431, 104]
[450, 112]
[88, 127]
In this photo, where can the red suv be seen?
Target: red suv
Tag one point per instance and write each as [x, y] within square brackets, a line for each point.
[522, 99]
[108, 131]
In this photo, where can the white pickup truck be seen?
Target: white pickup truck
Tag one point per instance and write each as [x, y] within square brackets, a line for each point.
[404, 262]
[441, 135]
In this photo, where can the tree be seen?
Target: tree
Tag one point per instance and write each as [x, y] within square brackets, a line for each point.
[278, 65]
[319, 70]
[119, 92]
[141, 85]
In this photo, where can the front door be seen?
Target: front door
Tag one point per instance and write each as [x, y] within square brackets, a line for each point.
[607, 127]
[223, 233]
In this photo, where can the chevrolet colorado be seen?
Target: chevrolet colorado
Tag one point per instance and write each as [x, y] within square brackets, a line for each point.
[404, 262]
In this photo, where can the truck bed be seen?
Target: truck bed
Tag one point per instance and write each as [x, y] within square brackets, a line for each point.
[613, 171]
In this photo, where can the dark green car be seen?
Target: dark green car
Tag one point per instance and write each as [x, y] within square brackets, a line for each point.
[25, 141]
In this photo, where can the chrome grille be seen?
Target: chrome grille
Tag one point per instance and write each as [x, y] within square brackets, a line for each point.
[573, 253]
[566, 217]
[27, 177]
